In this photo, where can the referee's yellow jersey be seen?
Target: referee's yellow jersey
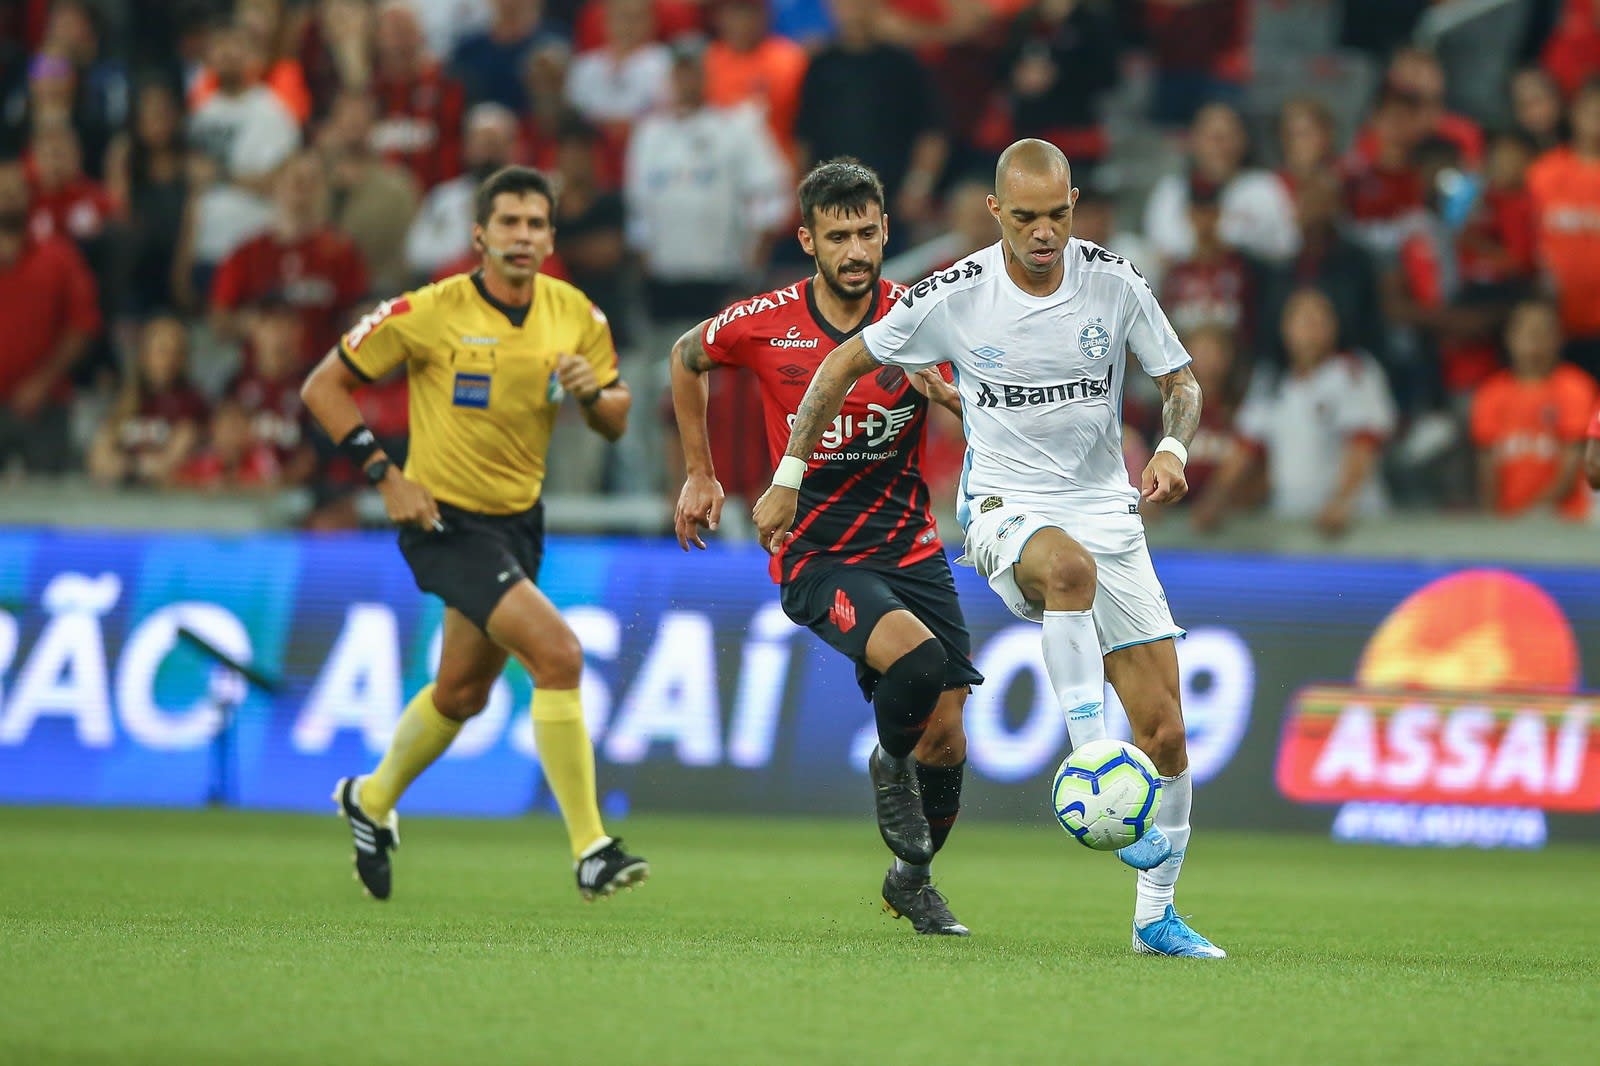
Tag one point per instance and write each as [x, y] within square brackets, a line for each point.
[481, 377]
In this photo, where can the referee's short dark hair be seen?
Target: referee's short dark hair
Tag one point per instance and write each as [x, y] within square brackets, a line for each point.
[516, 180]
[843, 184]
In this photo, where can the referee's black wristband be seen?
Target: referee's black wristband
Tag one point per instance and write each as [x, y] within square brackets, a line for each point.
[359, 446]
[593, 398]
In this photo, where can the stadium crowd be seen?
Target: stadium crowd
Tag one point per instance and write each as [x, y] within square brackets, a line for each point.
[1375, 223]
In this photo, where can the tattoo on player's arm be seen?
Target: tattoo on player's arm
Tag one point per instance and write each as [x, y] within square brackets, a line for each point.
[692, 353]
[1180, 406]
[843, 367]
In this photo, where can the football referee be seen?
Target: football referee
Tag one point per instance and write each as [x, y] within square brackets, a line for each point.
[489, 357]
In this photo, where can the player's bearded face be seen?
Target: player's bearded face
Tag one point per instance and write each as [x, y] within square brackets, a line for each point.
[519, 236]
[849, 251]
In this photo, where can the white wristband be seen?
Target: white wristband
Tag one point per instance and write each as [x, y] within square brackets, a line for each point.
[1175, 446]
[791, 471]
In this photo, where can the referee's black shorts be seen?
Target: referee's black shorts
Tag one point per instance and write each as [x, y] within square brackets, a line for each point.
[477, 558]
[841, 604]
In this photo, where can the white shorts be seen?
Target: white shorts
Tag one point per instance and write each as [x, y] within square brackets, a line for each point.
[1130, 607]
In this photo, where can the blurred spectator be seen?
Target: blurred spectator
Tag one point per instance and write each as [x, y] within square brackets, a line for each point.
[1217, 439]
[545, 76]
[1417, 77]
[98, 84]
[592, 22]
[146, 176]
[1329, 262]
[442, 230]
[335, 51]
[590, 225]
[624, 79]
[705, 189]
[66, 201]
[373, 201]
[157, 420]
[242, 126]
[1319, 426]
[1215, 286]
[1456, 277]
[1308, 140]
[49, 306]
[1538, 107]
[261, 21]
[1257, 213]
[1199, 54]
[301, 258]
[489, 63]
[242, 134]
[1383, 188]
[445, 22]
[1060, 57]
[1565, 186]
[968, 226]
[1529, 422]
[898, 136]
[231, 459]
[747, 63]
[1571, 54]
[268, 389]
[420, 106]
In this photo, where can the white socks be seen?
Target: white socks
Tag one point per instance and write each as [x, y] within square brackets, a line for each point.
[1157, 886]
[1078, 674]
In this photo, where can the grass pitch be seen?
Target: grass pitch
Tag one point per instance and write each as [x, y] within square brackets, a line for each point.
[222, 937]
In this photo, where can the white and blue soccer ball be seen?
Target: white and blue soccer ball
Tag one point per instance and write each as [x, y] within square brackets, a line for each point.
[1106, 794]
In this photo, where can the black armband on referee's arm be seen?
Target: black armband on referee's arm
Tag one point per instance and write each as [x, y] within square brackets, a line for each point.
[359, 446]
[594, 397]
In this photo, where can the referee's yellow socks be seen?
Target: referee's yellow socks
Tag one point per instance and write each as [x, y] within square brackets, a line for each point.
[420, 737]
[567, 757]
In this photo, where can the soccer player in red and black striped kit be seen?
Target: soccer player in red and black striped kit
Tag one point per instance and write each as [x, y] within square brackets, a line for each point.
[869, 578]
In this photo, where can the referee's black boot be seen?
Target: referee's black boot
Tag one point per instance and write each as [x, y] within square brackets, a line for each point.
[373, 840]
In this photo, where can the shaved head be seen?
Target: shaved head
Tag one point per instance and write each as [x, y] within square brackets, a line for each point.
[1033, 201]
[1030, 159]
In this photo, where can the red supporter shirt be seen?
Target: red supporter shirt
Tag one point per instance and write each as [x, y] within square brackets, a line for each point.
[1594, 427]
[1210, 294]
[45, 294]
[79, 211]
[322, 276]
[864, 500]
[277, 415]
[256, 468]
[158, 416]
[420, 124]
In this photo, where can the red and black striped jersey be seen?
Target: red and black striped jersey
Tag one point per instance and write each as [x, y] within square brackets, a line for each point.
[863, 500]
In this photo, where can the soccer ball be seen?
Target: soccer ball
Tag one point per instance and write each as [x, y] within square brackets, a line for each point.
[1106, 794]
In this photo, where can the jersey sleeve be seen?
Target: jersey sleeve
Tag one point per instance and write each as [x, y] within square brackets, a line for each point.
[1368, 409]
[907, 337]
[598, 348]
[1577, 400]
[1150, 336]
[381, 341]
[721, 335]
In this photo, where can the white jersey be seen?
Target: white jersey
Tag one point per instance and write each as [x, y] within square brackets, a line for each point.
[1040, 377]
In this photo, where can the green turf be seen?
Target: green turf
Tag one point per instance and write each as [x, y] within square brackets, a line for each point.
[140, 937]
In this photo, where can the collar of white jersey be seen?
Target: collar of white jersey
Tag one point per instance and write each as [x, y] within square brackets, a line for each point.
[1071, 272]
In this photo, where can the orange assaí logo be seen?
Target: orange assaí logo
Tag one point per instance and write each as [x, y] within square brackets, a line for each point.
[1467, 693]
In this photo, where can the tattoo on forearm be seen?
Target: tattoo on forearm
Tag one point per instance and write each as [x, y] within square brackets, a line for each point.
[692, 354]
[1180, 407]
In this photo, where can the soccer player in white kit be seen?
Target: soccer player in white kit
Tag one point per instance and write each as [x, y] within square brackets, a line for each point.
[1037, 327]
